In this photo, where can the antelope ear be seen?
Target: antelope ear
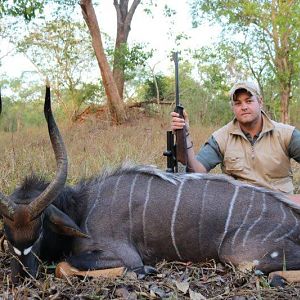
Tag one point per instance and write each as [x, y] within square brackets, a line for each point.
[61, 223]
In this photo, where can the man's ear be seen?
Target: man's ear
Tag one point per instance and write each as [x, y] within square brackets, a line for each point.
[61, 223]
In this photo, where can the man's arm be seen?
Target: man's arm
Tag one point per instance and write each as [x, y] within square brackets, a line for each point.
[194, 165]
[208, 157]
[178, 123]
[294, 146]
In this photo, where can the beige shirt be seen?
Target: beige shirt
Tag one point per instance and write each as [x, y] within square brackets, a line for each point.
[266, 163]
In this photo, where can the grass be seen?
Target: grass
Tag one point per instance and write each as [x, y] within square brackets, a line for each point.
[93, 146]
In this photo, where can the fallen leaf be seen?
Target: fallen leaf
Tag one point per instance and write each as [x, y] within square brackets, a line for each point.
[182, 286]
[157, 291]
[122, 292]
[196, 296]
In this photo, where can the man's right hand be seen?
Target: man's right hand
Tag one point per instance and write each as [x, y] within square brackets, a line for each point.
[177, 122]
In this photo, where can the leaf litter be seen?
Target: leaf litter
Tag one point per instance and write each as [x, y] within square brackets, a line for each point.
[174, 280]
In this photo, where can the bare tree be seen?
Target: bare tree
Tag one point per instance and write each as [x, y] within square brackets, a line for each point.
[124, 18]
[115, 102]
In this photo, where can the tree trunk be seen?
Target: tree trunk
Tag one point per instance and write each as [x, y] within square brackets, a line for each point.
[115, 103]
[284, 104]
[157, 89]
[281, 33]
[124, 18]
[119, 75]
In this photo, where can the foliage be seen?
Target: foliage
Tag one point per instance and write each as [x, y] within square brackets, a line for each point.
[29, 9]
[26, 8]
[22, 115]
[149, 89]
[23, 101]
[61, 50]
[129, 58]
[266, 32]
[205, 99]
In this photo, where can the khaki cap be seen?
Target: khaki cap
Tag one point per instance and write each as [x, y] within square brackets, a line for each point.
[249, 86]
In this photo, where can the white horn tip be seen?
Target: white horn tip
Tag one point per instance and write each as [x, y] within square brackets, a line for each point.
[47, 82]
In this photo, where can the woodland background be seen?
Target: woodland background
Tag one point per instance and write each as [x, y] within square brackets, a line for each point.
[259, 41]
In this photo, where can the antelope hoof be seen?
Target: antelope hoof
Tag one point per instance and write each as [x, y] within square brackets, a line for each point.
[277, 281]
[143, 271]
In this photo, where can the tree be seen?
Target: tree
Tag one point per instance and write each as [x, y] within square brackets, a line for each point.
[27, 9]
[272, 25]
[30, 9]
[115, 103]
[156, 88]
[61, 50]
[124, 18]
[114, 80]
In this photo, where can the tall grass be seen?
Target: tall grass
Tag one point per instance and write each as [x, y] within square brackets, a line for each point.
[92, 146]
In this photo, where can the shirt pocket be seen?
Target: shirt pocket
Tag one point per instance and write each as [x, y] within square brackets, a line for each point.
[233, 161]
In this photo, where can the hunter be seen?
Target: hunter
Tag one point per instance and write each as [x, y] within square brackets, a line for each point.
[252, 147]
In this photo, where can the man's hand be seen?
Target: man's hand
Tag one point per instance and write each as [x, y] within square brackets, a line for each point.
[177, 122]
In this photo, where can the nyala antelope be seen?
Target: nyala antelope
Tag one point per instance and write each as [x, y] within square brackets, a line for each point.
[135, 216]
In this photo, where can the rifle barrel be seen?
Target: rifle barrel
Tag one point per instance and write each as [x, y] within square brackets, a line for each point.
[175, 57]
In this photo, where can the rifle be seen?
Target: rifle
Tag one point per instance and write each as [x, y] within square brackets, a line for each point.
[176, 152]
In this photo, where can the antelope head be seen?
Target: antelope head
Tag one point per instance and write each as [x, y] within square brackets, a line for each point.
[23, 218]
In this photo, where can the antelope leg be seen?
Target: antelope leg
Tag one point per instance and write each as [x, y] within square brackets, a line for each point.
[106, 259]
[64, 270]
[289, 276]
[94, 260]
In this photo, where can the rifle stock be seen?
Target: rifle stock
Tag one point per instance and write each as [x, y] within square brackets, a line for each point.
[181, 148]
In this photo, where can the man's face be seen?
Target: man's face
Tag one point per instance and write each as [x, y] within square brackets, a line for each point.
[246, 108]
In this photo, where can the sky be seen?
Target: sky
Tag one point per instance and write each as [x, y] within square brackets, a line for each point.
[157, 31]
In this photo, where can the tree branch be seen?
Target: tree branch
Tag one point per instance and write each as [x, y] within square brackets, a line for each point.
[131, 11]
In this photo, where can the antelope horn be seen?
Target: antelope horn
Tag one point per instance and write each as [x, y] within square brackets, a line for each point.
[0, 103]
[54, 188]
[7, 207]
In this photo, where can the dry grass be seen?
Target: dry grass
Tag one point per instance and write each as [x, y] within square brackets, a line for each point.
[91, 147]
